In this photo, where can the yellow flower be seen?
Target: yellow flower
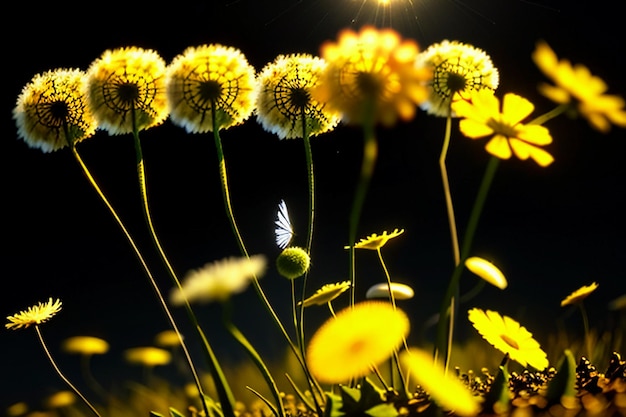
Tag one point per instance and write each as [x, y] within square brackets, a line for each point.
[508, 336]
[284, 99]
[147, 356]
[167, 338]
[327, 293]
[217, 281]
[85, 345]
[126, 90]
[357, 338]
[445, 389]
[35, 315]
[51, 106]
[210, 81]
[61, 399]
[482, 117]
[375, 242]
[576, 84]
[579, 295]
[371, 76]
[399, 291]
[458, 68]
[487, 271]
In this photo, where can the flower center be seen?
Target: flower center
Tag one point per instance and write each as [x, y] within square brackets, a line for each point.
[509, 341]
[128, 92]
[210, 90]
[456, 82]
[59, 110]
[368, 84]
[299, 97]
[502, 128]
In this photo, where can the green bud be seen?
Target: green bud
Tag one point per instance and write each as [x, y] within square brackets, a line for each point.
[293, 262]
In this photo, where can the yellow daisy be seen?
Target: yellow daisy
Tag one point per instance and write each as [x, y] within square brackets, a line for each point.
[508, 336]
[35, 315]
[51, 111]
[375, 241]
[371, 75]
[357, 338]
[482, 117]
[327, 293]
[457, 68]
[487, 271]
[576, 85]
[85, 345]
[126, 90]
[447, 390]
[579, 295]
[284, 99]
[147, 356]
[217, 281]
[210, 81]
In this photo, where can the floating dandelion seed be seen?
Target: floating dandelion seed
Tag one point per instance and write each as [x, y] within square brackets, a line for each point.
[284, 230]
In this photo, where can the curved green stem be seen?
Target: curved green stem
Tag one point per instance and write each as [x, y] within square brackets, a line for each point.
[557, 111]
[446, 190]
[588, 347]
[63, 377]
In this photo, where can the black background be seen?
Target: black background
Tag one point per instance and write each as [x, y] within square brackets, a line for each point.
[550, 230]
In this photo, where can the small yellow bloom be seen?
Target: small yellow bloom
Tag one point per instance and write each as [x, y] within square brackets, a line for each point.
[147, 356]
[85, 345]
[482, 117]
[35, 315]
[579, 295]
[217, 281]
[371, 76]
[508, 336]
[284, 97]
[357, 338]
[445, 389]
[210, 81]
[458, 68]
[575, 84]
[381, 290]
[52, 112]
[375, 242]
[327, 293]
[61, 399]
[167, 338]
[126, 90]
[487, 271]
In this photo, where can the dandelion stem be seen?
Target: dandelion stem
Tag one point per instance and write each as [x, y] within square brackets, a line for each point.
[446, 190]
[56, 368]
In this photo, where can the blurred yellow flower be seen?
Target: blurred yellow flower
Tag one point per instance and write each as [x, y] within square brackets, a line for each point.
[508, 336]
[327, 293]
[579, 295]
[357, 338]
[60, 399]
[375, 241]
[457, 68]
[482, 117]
[126, 90]
[147, 356]
[576, 85]
[371, 75]
[85, 345]
[17, 409]
[210, 81]
[51, 106]
[34, 315]
[167, 338]
[399, 291]
[218, 280]
[284, 99]
[487, 271]
[446, 389]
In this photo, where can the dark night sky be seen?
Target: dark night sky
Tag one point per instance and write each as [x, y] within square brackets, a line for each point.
[550, 230]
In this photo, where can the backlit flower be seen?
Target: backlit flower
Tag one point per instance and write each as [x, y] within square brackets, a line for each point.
[457, 68]
[371, 75]
[35, 315]
[398, 290]
[147, 356]
[446, 389]
[60, 399]
[327, 293]
[357, 338]
[508, 336]
[575, 84]
[284, 99]
[51, 111]
[375, 242]
[482, 117]
[487, 271]
[217, 281]
[126, 89]
[579, 295]
[85, 345]
[167, 338]
[210, 81]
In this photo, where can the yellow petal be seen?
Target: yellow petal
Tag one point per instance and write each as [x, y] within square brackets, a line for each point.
[535, 134]
[499, 147]
[524, 151]
[487, 271]
[545, 58]
[515, 108]
[474, 129]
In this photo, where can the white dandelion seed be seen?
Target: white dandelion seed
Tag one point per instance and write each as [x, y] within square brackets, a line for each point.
[284, 230]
